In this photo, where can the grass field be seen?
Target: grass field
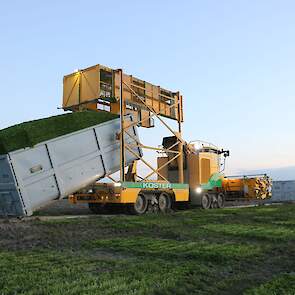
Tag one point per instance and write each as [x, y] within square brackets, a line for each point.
[229, 251]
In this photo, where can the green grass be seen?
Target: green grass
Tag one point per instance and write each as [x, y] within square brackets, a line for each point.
[253, 231]
[283, 284]
[28, 134]
[231, 251]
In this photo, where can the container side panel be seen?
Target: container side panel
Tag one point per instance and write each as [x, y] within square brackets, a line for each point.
[107, 134]
[109, 145]
[31, 162]
[80, 174]
[72, 147]
[10, 200]
[35, 176]
[41, 192]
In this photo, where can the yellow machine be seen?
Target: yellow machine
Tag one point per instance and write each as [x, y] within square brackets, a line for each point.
[185, 172]
[100, 88]
[247, 187]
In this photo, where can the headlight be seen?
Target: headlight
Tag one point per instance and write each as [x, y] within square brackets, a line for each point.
[117, 184]
[198, 190]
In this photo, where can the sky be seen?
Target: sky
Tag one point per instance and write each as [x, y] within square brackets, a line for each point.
[233, 61]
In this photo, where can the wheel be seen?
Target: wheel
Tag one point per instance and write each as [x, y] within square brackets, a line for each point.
[140, 206]
[205, 201]
[220, 200]
[165, 202]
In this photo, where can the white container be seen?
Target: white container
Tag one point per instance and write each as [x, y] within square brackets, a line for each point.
[283, 191]
[31, 178]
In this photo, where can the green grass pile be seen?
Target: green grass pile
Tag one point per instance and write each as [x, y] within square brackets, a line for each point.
[30, 133]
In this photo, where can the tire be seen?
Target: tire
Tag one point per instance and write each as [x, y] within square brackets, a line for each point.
[206, 201]
[165, 202]
[140, 206]
[220, 200]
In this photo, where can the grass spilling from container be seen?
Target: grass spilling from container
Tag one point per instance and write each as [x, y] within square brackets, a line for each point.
[30, 133]
[186, 252]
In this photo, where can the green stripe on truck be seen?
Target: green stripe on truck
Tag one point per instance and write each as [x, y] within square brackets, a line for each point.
[155, 185]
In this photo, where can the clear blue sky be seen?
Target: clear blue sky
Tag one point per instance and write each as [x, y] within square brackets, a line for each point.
[232, 60]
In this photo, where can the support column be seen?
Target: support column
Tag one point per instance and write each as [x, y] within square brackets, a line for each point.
[122, 143]
[180, 144]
